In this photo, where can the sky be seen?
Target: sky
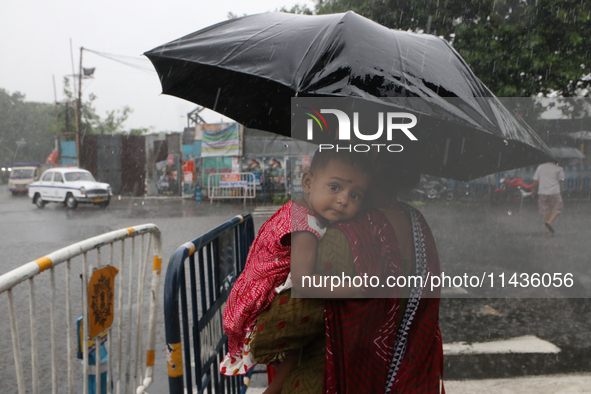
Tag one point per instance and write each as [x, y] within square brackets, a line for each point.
[35, 47]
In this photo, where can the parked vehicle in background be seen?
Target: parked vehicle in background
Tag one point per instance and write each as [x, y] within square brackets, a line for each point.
[512, 188]
[22, 175]
[69, 186]
[432, 189]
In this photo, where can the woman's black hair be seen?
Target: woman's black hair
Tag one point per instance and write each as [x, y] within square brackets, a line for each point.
[395, 172]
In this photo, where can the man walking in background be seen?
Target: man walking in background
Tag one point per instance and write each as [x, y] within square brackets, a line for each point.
[548, 177]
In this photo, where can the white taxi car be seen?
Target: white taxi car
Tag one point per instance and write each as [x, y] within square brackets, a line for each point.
[69, 186]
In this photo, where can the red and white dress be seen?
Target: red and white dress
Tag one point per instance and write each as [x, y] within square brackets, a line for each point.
[267, 272]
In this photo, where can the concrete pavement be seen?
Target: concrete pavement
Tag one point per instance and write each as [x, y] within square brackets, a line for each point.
[549, 384]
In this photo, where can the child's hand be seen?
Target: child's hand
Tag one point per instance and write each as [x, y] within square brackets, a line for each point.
[303, 255]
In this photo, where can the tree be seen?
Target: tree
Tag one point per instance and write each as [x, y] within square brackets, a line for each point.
[140, 131]
[37, 124]
[232, 15]
[297, 9]
[33, 123]
[518, 48]
[91, 122]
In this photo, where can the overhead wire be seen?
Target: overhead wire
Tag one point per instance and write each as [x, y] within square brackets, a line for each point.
[130, 61]
[138, 63]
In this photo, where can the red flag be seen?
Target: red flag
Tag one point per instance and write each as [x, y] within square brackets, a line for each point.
[52, 158]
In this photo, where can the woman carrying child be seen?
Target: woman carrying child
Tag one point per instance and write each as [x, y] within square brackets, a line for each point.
[375, 345]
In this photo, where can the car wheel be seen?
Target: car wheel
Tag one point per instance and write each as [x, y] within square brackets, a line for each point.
[39, 201]
[71, 202]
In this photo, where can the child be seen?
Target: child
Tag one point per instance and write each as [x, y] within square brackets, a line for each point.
[334, 189]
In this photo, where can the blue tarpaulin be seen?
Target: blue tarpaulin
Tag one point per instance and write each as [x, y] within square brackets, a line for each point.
[68, 148]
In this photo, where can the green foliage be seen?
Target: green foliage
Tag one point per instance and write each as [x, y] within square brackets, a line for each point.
[232, 15]
[297, 9]
[140, 131]
[34, 123]
[280, 200]
[38, 124]
[91, 122]
[113, 123]
[518, 48]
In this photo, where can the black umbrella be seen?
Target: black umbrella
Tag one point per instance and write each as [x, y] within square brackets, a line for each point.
[249, 68]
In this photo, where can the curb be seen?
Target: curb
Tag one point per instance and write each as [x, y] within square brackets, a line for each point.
[547, 384]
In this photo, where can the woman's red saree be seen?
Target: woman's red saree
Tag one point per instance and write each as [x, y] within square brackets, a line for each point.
[370, 348]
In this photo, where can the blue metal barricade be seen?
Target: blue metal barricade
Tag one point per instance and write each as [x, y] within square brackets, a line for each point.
[195, 340]
[481, 187]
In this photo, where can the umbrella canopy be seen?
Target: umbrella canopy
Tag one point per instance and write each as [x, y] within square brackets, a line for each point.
[249, 68]
[566, 152]
[580, 135]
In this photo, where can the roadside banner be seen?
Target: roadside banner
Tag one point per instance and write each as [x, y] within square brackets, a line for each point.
[220, 140]
[232, 180]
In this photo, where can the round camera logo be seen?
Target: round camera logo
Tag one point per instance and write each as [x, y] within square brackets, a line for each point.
[344, 129]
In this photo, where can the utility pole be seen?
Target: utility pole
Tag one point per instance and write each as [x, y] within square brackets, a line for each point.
[79, 106]
[80, 89]
[57, 122]
[76, 110]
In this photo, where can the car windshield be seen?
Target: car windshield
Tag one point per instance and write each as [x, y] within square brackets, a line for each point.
[78, 176]
[22, 173]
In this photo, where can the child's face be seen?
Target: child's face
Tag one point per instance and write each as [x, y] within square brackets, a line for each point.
[336, 191]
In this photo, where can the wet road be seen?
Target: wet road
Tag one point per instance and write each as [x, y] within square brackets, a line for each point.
[477, 237]
[473, 237]
[28, 233]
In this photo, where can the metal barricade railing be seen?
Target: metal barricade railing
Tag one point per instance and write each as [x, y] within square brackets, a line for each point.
[195, 339]
[231, 185]
[479, 188]
[577, 182]
[111, 298]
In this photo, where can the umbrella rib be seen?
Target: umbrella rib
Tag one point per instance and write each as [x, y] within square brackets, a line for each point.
[293, 83]
[402, 68]
[323, 32]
